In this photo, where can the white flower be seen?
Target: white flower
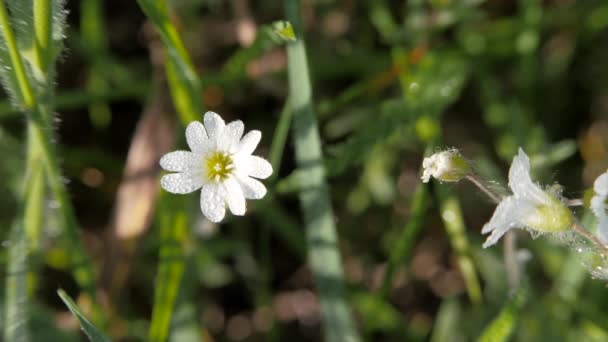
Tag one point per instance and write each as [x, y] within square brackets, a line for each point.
[448, 166]
[220, 164]
[598, 206]
[529, 207]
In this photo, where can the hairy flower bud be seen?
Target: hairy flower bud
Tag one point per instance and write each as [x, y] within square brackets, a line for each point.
[446, 166]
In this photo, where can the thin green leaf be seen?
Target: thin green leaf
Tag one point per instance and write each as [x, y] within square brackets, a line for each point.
[451, 215]
[173, 234]
[502, 327]
[323, 253]
[183, 80]
[16, 306]
[89, 329]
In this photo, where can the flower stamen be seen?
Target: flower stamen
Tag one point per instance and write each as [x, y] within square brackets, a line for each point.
[219, 166]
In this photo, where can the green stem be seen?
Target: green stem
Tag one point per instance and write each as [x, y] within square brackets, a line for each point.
[34, 192]
[43, 21]
[82, 268]
[16, 305]
[323, 253]
[279, 140]
[451, 215]
[25, 89]
[41, 140]
[173, 234]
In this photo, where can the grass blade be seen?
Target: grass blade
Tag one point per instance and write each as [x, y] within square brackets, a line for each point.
[501, 328]
[183, 80]
[173, 225]
[16, 306]
[323, 253]
[186, 92]
[89, 329]
[451, 215]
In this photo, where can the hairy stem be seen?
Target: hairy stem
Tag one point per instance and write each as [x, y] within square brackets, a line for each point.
[582, 231]
[473, 178]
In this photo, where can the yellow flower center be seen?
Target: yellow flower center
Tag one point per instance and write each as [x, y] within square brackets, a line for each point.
[219, 166]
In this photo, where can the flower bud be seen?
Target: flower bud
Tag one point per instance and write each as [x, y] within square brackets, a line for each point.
[446, 166]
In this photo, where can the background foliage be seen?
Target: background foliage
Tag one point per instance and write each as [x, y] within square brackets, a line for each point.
[391, 82]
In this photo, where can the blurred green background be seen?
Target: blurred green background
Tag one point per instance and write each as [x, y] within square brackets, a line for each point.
[392, 81]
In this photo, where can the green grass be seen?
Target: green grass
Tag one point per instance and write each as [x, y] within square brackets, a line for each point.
[348, 243]
[323, 249]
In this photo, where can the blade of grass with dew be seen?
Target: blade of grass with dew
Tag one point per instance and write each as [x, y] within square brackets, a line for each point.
[92, 332]
[502, 327]
[323, 253]
[173, 233]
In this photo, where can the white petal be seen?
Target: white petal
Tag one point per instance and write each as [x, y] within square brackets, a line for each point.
[212, 202]
[602, 229]
[252, 188]
[231, 135]
[234, 197]
[214, 124]
[179, 161]
[598, 206]
[196, 136]
[427, 170]
[249, 142]
[600, 186]
[502, 220]
[183, 182]
[254, 166]
[520, 182]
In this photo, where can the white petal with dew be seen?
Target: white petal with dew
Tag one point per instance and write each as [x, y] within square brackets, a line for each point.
[196, 136]
[179, 161]
[521, 183]
[600, 186]
[252, 188]
[598, 206]
[212, 202]
[502, 220]
[214, 124]
[249, 142]
[255, 166]
[234, 196]
[231, 136]
[183, 182]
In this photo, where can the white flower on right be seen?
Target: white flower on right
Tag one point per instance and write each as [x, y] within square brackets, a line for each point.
[530, 207]
[220, 164]
[598, 206]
